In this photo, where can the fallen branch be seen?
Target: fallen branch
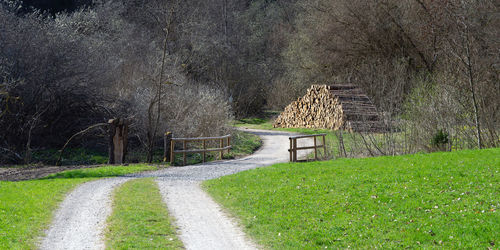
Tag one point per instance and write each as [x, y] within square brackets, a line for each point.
[12, 152]
[58, 163]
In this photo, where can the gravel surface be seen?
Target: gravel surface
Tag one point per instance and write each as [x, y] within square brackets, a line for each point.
[81, 218]
[274, 149]
[201, 222]
[80, 221]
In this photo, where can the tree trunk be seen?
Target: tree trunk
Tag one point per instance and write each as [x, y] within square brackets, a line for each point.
[473, 91]
[118, 137]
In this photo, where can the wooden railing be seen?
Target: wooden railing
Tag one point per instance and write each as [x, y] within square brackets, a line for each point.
[203, 150]
[293, 146]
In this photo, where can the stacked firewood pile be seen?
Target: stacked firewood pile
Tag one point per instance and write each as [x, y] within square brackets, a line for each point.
[332, 107]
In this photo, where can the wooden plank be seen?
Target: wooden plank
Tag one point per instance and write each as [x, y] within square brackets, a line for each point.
[305, 136]
[193, 151]
[201, 138]
[204, 140]
[290, 150]
[303, 148]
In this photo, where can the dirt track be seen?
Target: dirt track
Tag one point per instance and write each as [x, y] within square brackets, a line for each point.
[30, 173]
[201, 222]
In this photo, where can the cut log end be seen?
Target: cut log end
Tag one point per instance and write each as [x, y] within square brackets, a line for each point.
[332, 107]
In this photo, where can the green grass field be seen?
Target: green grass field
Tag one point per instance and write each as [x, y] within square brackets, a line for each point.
[26, 207]
[443, 200]
[140, 219]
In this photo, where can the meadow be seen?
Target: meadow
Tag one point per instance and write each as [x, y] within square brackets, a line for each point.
[27, 207]
[447, 199]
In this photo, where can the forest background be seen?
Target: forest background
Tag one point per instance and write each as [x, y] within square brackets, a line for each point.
[191, 66]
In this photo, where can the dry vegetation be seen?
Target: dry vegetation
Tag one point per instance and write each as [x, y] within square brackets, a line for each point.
[190, 66]
[429, 66]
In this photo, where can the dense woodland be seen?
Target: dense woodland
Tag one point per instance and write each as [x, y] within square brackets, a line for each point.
[191, 66]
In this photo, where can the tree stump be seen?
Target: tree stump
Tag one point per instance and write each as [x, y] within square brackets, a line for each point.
[118, 135]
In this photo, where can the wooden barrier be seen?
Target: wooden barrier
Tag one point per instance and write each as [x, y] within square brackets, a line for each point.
[293, 146]
[202, 150]
[167, 139]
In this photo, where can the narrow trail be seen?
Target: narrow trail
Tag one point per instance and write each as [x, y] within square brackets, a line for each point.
[202, 223]
[80, 220]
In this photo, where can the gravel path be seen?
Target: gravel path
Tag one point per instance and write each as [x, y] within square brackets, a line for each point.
[201, 222]
[80, 220]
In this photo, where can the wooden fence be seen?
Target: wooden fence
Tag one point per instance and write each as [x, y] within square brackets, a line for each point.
[293, 145]
[203, 150]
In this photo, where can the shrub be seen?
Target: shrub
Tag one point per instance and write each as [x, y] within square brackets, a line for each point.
[440, 139]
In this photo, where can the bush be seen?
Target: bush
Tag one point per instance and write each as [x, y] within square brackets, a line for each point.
[60, 74]
[440, 139]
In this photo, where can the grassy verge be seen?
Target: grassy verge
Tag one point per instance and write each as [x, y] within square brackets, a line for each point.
[440, 200]
[140, 219]
[26, 207]
[107, 171]
[254, 123]
[243, 144]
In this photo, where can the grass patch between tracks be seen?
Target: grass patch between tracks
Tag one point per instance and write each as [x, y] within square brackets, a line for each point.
[439, 200]
[26, 207]
[140, 219]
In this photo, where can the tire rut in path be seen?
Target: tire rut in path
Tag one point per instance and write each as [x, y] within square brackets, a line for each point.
[202, 223]
[80, 220]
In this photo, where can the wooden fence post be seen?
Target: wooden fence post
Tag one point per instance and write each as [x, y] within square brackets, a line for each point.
[324, 147]
[315, 150]
[184, 146]
[221, 146]
[294, 149]
[172, 155]
[166, 146]
[204, 153]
